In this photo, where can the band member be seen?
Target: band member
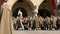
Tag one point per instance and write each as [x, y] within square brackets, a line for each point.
[21, 21]
[14, 22]
[58, 22]
[30, 23]
[17, 23]
[51, 22]
[37, 22]
[25, 23]
[20, 18]
[44, 23]
[54, 22]
[40, 21]
[47, 20]
[33, 22]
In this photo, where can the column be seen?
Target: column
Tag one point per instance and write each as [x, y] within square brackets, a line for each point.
[36, 11]
[6, 21]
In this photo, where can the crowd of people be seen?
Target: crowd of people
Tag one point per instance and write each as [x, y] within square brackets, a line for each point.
[37, 23]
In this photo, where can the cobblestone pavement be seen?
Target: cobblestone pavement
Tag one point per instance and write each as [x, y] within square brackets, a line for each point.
[37, 32]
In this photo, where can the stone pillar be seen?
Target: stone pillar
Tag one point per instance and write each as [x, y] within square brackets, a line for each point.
[36, 11]
[6, 20]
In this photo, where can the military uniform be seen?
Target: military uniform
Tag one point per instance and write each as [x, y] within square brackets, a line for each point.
[30, 22]
[54, 22]
[33, 22]
[58, 22]
[42, 22]
[51, 22]
[47, 22]
[21, 21]
[37, 22]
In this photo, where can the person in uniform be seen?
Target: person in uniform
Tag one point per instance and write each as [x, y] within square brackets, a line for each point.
[58, 22]
[14, 22]
[54, 22]
[20, 17]
[17, 22]
[30, 22]
[51, 22]
[37, 22]
[47, 22]
[42, 22]
[33, 23]
[21, 21]
[26, 23]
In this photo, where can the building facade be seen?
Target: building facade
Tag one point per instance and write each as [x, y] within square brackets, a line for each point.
[31, 7]
[28, 7]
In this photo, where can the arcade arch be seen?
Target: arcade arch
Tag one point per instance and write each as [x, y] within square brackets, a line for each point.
[45, 9]
[27, 6]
